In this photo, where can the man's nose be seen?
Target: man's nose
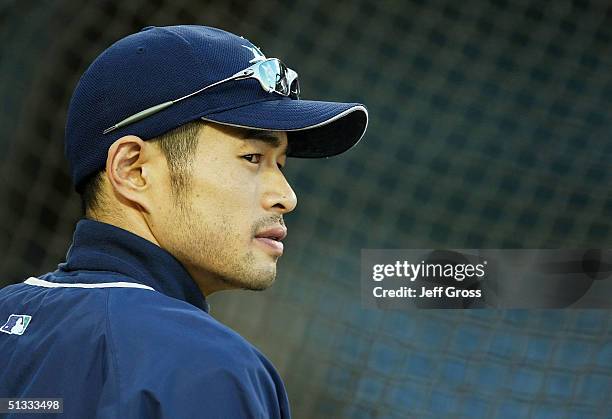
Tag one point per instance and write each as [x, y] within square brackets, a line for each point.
[280, 196]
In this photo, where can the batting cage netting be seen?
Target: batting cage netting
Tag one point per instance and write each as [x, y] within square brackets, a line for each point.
[490, 127]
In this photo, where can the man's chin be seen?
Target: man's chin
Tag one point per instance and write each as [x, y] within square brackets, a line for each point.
[258, 281]
[258, 287]
[255, 285]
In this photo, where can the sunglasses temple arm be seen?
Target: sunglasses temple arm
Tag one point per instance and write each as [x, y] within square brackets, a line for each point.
[140, 115]
[157, 108]
[238, 75]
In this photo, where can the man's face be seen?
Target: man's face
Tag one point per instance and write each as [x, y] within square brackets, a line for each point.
[237, 193]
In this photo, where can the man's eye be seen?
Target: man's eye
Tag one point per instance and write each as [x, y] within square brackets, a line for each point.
[253, 158]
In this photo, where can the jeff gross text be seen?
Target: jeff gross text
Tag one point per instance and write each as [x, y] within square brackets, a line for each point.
[429, 276]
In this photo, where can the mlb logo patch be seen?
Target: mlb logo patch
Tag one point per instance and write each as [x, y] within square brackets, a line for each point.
[16, 324]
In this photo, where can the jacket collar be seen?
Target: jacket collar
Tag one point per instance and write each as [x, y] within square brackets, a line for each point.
[98, 246]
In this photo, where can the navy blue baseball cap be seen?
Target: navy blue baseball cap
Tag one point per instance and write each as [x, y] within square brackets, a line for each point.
[161, 64]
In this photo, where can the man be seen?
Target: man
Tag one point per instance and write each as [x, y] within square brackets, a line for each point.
[176, 139]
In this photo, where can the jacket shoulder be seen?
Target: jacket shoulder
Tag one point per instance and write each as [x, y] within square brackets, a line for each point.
[169, 353]
[144, 317]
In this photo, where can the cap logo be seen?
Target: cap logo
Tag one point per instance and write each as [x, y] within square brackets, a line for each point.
[258, 55]
[16, 324]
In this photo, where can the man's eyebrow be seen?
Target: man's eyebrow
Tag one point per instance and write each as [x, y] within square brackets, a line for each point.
[264, 136]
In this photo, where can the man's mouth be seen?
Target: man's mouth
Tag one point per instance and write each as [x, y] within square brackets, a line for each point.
[271, 239]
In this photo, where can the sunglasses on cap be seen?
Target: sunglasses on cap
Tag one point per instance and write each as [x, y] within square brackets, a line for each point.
[272, 74]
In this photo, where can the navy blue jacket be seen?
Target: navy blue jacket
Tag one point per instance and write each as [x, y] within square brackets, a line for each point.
[120, 330]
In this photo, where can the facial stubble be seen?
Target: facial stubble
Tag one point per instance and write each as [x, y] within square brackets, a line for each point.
[219, 250]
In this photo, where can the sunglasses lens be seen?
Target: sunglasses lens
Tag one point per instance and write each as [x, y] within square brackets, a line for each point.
[282, 86]
[269, 73]
[273, 75]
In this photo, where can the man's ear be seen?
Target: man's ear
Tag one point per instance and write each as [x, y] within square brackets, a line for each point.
[128, 171]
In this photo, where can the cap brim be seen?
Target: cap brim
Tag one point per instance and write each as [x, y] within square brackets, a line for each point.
[314, 128]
